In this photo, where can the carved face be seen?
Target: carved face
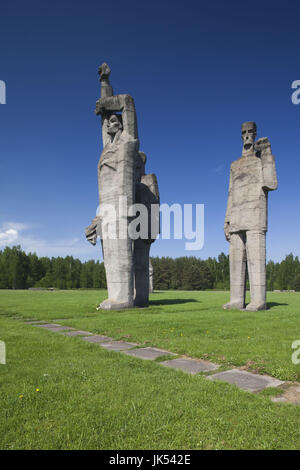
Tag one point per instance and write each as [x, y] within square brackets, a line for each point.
[248, 136]
[113, 124]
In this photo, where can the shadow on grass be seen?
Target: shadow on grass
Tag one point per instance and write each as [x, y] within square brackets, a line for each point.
[171, 301]
[273, 304]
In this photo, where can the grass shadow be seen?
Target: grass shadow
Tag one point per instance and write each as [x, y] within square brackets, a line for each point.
[274, 304]
[171, 301]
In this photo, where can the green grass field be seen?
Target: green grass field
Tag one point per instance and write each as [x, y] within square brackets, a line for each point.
[60, 392]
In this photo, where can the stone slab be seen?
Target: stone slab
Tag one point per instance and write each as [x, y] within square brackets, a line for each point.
[118, 345]
[97, 339]
[59, 328]
[148, 353]
[34, 322]
[77, 333]
[192, 366]
[48, 325]
[278, 399]
[246, 380]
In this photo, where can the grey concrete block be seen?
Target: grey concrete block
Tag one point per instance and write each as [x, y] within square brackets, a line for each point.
[192, 366]
[246, 380]
[118, 345]
[59, 328]
[77, 333]
[97, 339]
[278, 399]
[148, 353]
[48, 325]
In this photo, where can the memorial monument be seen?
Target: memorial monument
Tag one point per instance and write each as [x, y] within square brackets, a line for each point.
[122, 183]
[252, 176]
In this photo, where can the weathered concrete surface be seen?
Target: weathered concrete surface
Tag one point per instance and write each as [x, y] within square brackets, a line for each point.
[148, 353]
[118, 345]
[147, 195]
[34, 322]
[291, 394]
[78, 333]
[47, 325]
[97, 339]
[278, 399]
[246, 380]
[192, 366]
[121, 176]
[58, 328]
[251, 178]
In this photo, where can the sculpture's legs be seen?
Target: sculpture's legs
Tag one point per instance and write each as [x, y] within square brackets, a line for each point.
[118, 262]
[237, 261]
[256, 259]
[141, 260]
[150, 277]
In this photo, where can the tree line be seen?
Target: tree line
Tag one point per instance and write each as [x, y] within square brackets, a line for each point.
[19, 270]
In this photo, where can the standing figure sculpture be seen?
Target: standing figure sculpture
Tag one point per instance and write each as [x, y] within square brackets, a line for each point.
[252, 176]
[121, 180]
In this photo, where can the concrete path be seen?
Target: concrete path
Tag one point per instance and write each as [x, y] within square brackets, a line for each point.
[244, 380]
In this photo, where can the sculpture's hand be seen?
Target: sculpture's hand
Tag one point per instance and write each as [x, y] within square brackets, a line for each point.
[104, 71]
[226, 231]
[263, 146]
[100, 106]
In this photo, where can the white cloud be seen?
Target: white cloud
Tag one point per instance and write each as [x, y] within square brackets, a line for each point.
[7, 237]
[15, 226]
[11, 233]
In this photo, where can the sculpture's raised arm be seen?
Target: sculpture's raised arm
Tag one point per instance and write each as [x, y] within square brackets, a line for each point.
[263, 148]
[109, 104]
[120, 104]
[228, 211]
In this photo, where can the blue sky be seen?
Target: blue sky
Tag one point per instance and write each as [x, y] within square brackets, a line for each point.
[196, 69]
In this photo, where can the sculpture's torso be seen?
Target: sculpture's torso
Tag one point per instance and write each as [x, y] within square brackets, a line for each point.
[249, 200]
[115, 170]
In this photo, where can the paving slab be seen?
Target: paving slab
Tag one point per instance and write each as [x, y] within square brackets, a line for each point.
[47, 325]
[148, 353]
[192, 366]
[118, 345]
[246, 380]
[290, 395]
[59, 328]
[34, 322]
[278, 399]
[77, 333]
[97, 339]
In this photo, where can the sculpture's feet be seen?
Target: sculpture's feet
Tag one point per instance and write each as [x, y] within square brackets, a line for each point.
[114, 305]
[234, 305]
[255, 306]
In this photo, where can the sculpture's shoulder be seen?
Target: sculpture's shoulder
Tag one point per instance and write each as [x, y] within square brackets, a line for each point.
[236, 163]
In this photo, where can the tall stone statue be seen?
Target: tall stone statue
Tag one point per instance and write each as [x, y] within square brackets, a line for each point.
[252, 176]
[122, 180]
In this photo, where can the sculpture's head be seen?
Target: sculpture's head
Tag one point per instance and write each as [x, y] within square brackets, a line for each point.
[114, 124]
[248, 136]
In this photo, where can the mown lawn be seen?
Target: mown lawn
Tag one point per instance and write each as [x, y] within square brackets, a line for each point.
[90, 398]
